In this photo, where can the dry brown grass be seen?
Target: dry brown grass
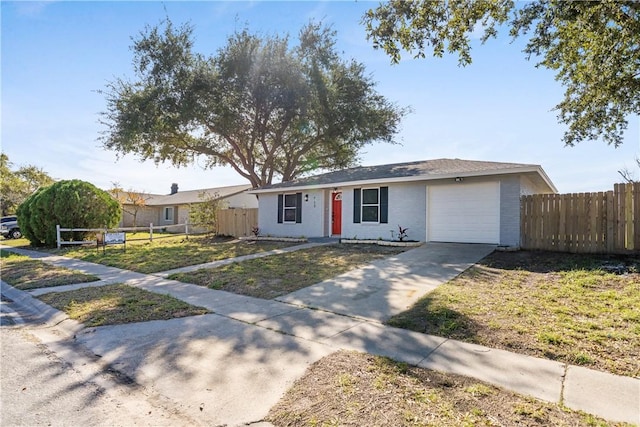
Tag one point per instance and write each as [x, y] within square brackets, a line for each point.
[277, 275]
[355, 389]
[25, 273]
[557, 306]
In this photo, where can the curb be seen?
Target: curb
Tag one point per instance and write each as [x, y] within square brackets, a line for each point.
[39, 311]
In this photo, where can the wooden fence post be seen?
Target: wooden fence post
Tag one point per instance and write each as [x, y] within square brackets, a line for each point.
[58, 235]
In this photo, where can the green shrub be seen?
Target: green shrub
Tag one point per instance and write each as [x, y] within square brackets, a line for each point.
[71, 204]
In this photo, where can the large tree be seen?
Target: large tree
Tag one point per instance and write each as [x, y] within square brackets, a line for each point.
[593, 46]
[266, 107]
[18, 184]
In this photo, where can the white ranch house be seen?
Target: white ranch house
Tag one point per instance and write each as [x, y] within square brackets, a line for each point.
[442, 200]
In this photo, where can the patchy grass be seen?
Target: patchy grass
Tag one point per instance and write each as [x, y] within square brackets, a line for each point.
[15, 243]
[168, 253]
[355, 389]
[25, 273]
[118, 304]
[273, 276]
[558, 306]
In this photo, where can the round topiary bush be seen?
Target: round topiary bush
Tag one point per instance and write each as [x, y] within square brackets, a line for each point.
[71, 204]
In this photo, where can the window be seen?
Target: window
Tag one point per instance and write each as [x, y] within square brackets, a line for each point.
[370, 205]
[168, 214]
[290, 208]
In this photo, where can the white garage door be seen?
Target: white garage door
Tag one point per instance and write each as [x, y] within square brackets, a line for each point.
[465, 213]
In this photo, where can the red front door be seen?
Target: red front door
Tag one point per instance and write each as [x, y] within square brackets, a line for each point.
[336, 213]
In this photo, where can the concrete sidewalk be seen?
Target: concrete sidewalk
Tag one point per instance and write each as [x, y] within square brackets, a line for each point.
[230, 367]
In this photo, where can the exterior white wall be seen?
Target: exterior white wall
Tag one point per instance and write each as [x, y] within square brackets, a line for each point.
[510, 211]
[407, 208]
[313, 221]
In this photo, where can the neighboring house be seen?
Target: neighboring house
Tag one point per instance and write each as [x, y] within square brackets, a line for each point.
[443, 200]
[174, 208]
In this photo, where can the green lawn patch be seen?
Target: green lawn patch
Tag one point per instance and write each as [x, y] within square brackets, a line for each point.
[272, 276]
[118, 304]
[15, 243]
[168, 253]
[563, 307]
[356, 389]
[25, 273]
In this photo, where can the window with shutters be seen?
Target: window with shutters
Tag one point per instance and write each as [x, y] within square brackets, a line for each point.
[370, 205]
[290, 207]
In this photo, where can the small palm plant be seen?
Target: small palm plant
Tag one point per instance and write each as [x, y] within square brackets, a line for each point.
[402, 233]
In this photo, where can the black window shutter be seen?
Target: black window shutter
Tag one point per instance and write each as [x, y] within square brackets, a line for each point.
[280, 207]
[356, 205]
[299, 208]
[384, 205]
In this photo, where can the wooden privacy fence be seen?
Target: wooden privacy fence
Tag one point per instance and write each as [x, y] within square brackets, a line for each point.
[604, 222]
[236, 222]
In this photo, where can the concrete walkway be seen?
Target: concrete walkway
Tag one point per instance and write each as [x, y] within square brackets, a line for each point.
[230, 367]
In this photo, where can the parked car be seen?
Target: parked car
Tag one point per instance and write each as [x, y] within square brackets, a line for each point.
[9, 228]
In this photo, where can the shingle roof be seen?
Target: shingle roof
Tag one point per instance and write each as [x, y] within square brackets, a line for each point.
[194, 196]
[427, 169]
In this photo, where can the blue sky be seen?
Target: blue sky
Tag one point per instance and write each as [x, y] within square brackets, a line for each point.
[57, 55]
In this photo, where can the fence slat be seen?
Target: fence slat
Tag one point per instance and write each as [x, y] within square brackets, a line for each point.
[236, 222]
[607, 222]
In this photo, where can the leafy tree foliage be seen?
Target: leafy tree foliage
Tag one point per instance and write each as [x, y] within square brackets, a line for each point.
[71, 204]
[205, 213]
[131, 201]
[267, 108]
[17, 185]
[591, 45]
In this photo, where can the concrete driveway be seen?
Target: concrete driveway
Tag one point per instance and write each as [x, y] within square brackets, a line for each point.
[387, 287]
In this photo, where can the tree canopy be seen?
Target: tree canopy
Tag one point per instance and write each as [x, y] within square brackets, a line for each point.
[593, 47]
[16, 185]
[266, 107]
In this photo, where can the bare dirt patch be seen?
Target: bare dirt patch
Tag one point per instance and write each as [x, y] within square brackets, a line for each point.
[356, 389]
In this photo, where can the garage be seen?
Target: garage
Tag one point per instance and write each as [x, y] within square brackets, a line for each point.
[464, 213]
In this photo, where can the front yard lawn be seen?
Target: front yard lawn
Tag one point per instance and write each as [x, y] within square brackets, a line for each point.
[169, 253]
[557, 306]
[117, 304]
[273, 276]
[356, 389]
[25, 273]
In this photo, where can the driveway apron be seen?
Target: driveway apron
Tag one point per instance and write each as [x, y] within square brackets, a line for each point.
[387, 287]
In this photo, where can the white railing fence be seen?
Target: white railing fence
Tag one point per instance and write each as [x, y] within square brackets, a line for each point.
[185, 229]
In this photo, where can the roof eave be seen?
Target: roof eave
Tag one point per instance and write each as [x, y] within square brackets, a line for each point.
[524, 169]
